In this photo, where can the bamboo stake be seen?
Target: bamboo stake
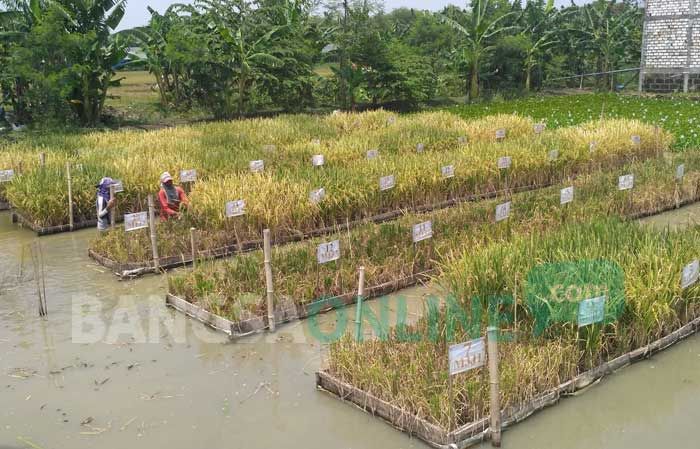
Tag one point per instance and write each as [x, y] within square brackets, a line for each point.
[154, 237]
[492, 348]
[42, 160]
[267, 247]
[113, 212]
[193, 245]
[358, 312]
[70, 196]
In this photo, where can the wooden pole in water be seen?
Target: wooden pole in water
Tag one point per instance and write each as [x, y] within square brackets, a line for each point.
[113, 212]
[358, 312]
[152, 227]
[494, 377]
[70, 196]
[193, 245]
[267, 248]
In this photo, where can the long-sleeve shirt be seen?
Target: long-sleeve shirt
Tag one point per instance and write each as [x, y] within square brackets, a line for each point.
[167, 210]
[104, 218]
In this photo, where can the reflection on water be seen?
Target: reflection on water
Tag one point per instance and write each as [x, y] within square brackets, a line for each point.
[189, 387]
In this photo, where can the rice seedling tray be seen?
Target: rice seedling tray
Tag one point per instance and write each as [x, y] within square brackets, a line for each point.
[476, 432]
[287, 311]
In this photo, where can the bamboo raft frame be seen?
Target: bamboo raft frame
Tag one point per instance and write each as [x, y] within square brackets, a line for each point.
[476, 432]
[42, 231]
[134, 269]
[293, 312]
[125, 269]
[288, 311]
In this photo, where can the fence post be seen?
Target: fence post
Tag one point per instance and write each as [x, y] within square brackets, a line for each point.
[70, 196]
[154, 237]
[267, 248]
[193, 245]
[358, 312]
[494, 377]
[113, 212]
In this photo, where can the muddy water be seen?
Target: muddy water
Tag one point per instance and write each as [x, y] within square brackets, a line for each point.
[137, 374]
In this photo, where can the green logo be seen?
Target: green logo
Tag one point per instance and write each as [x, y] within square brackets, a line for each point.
[554, 292]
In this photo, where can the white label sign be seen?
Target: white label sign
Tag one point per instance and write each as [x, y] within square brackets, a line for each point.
[420, 147]
[539, 128]
[188, 175]
[467, 356]
[636, 140]
[448, 171]
[387, 182]
[6, 175]
[118, 186]
[591, 311]
[567, 195]
[625, 182]
[592, 146]
[690, 275]
[235, 208]
[132, 222]
[500, 134]
[462, 140]
[504, 162]
[553, 155]
[503, 211]
[391, 120]
[318, 160]
[257, 166]
[317, 195]
[269, 148]
[328, 252]
[372, 154]
[680, 172]
[422, 231]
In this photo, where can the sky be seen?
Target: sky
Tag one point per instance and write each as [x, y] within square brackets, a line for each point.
[137, 15]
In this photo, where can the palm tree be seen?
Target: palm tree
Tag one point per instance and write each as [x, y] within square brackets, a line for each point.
[480, 29]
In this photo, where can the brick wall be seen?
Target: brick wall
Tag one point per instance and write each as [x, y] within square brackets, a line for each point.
[671, 45]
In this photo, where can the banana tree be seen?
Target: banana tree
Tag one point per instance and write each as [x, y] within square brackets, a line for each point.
[153, 39]
[481, 28]
[245, 49]
[610, 31]
[542, 35]
[96, 19]
[15, 23]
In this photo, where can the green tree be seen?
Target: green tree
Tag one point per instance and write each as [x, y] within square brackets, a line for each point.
[481, 28]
